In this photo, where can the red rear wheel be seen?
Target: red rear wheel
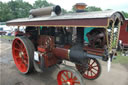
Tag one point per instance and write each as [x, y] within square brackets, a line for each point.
[69, 77]
[93, 70]
[23, 52]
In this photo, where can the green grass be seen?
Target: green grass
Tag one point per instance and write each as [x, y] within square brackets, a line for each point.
[121, 59]
[7, 37]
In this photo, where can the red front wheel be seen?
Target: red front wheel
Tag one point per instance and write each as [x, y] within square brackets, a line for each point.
[23, 52]
[92, 71]
[69, 76]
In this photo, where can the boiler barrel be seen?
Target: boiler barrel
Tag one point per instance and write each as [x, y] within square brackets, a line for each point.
[61, 53]
[45, 11]
[74, 54]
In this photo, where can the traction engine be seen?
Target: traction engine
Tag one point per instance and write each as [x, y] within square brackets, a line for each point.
[50, 40]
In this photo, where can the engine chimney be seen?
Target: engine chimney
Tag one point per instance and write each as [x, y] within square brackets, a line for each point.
[80, 7]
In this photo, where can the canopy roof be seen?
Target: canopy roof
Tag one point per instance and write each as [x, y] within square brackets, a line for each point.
[84, 19]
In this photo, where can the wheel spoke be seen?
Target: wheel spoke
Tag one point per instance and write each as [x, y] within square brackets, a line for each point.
[75, 78]
[21, 66]
[66, 75]
[25, 56]
[63, 79]
[19, 60]
[94, 68]
[23, 48]
[18, 44]
[92, 63]
[17, 49]
[76, 82]
[24, 66]
[71, 75]
[93, 72]
[25, 63]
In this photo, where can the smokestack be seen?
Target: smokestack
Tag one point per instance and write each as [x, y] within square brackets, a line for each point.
[80, 7]
[45, 11]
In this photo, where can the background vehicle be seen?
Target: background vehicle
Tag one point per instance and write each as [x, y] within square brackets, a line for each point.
[2, 32]
[123, 40]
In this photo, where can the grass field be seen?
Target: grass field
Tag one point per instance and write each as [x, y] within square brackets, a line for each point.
[7, 37]
[121, 59]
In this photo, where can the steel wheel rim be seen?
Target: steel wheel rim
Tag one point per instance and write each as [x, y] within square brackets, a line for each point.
[20, 55]
[93, 70]
[66, 77]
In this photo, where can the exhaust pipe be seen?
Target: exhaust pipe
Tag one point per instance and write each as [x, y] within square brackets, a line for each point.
[45, 11]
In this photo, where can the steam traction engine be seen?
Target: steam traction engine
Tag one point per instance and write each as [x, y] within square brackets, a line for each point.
[51, 37]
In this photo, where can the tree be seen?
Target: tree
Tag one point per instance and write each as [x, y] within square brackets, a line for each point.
[14, 9]
[5, 13]
[93, 8]
[41, 3]
[107, 9]
[73, 9]
[125, 14]
[44, 3]
[19, 8]
[64, 11]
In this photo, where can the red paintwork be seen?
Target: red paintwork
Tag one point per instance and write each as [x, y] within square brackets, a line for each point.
[17, 47]
[61, 53]
[18, 33]
[46, 45]
[41, 49]
[124, 34]
[66, 77]
[70, 22]
[93, 70]
[94, 51]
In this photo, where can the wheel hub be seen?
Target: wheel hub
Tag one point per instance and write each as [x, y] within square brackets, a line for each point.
[89, 68]
[21, 54]
[68, 83]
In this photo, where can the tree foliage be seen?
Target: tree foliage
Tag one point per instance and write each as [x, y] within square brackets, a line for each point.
[93, 8]
[125, 14]
[44, 3]
[19, 9]
[14, 9]
[41, 3]
[5, 12]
